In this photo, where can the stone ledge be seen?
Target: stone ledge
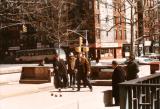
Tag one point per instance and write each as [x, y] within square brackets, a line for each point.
[101, 82]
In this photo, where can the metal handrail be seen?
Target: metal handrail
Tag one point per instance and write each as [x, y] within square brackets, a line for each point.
[141, 93]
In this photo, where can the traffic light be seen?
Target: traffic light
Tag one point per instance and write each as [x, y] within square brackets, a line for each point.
[80, 41]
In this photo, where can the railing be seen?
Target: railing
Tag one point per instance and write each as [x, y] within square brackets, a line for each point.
[142, 93]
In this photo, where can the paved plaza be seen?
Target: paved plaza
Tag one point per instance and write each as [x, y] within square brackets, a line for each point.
[38, 96]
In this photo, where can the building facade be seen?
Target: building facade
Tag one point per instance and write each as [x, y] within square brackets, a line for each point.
[108, 27]
[151, 26]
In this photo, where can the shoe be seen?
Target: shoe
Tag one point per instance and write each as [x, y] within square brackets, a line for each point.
[59, 89]
[78, 89]
[91, 90]
[117, 104]
[72, 88]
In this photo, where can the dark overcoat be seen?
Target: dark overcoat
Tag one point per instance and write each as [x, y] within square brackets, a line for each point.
[83, 67]
[132, 70]
[118, 76]
[60, 72]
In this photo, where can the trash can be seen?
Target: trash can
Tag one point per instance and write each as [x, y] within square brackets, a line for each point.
[107, 98]
[154, 66]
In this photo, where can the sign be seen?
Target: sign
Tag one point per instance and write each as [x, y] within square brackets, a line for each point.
[109, 45]
[14, 48]
[39, 45]
[127, 54]
[147, 43]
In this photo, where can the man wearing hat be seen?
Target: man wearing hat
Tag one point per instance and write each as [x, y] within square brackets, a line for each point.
[132, 68]
[82, 68]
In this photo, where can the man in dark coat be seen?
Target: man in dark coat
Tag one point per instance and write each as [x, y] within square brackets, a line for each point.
[118, 76]
[132, 68]
[60, 70]
[82, 67]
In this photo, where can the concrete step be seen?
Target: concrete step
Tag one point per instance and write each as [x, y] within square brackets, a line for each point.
[101, 82]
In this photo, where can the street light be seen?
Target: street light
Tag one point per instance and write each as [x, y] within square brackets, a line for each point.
[85, 37]
[86, 49]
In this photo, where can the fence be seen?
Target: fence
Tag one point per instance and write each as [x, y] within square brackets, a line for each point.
[141, 93]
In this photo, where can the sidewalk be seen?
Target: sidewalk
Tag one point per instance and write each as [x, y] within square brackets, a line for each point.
[14, 89]
[38, 96]
[70, 99]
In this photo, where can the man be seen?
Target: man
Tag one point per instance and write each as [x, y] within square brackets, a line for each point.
[132, 68]
[118, 76]
[71, 66]
[82, 67]
[60, 70]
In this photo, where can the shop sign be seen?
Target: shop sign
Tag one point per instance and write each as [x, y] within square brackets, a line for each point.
[109, 45]
[14, 48]
[147, 43]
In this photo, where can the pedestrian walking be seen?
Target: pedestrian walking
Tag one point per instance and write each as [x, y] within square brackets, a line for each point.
[71, 71]
[82, 67]
[132, 68]
[118, 76]
[60, 71]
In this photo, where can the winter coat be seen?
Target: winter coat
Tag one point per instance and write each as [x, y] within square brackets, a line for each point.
[132, 70]
[71, 64]
[118, 76]
[82, 66]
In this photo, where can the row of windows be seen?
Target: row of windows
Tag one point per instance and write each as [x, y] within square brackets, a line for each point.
[120, 7]
[150, 3]
[103, 51]
[119, 34]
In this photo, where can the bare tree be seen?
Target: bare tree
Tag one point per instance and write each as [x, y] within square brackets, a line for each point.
[134, 19]
[48, 17]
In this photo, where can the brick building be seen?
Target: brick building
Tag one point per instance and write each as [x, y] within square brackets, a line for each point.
[102, 22]
[151, 21]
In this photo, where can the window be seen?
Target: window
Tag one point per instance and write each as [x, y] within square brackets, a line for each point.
[98, 18]
[120, 34]
[125, 34]
[116, 34]
[106, 33]
[115, 6]
[97, 4]
[90, 4]
[106, 5]
[98, 33]
[115, 18]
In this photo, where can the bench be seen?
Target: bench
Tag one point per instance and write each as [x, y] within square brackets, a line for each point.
[35, 75]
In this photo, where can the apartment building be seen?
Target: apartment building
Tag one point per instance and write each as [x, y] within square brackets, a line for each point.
[110, 28]
[106, 24]
[151, 18]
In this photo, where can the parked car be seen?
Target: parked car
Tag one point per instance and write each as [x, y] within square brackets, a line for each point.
[153, 55]
[144, 60]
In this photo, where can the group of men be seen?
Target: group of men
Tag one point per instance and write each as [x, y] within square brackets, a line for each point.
[121, 74]
[77, 68]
